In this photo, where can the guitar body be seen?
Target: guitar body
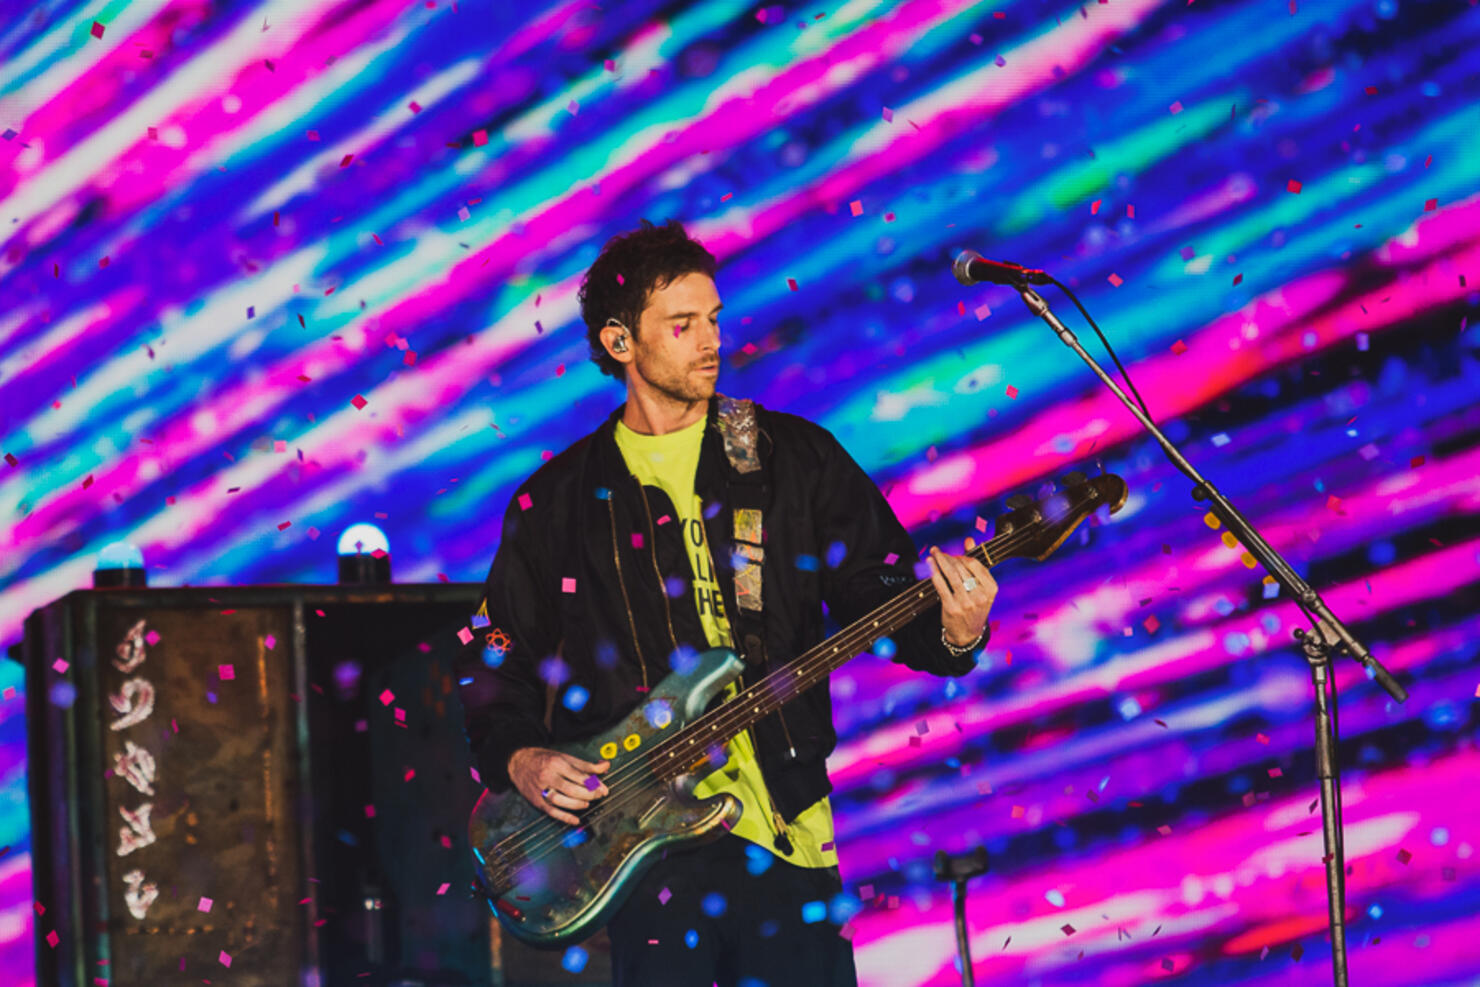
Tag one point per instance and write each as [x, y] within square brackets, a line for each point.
[581, 875]
[551, 883]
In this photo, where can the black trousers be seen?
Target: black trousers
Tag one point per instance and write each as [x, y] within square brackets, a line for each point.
[702, 916]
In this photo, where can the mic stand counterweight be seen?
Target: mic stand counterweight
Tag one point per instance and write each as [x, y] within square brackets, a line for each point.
[1331, 635]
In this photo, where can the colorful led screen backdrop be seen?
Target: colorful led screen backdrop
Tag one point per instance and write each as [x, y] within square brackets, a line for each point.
[270, 269]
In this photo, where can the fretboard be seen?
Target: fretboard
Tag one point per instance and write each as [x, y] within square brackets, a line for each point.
[762, 698]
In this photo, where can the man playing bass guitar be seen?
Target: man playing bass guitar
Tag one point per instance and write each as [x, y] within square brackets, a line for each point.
[618, 562]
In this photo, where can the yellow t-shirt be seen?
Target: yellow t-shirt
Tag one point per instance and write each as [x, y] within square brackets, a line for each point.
[670, 462]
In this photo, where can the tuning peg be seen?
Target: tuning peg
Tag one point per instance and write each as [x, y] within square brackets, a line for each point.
[1018, 501]
[1075, 479]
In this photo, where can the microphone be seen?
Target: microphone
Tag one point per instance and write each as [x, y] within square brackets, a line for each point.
[972, 268]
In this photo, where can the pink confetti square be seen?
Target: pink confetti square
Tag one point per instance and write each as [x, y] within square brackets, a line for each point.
[480, 137]
[1012, 392]
[525, 502]
[636, 539]
[791, 283]
[663, 896]
[226, 672]
[358, 401]
[567, 585]
[369, 812]
[52, 938]
[97, 30]
[982, 312]
[387, 697]
[1175, 108]
[204, 905]
[888, 115]
[1293, 186]
[856, 207]
[270, 642]
[60, 666]
[152, 637]
[891, 558]
[443, 888]
[1116, 280]
[464, 635]
[224, 958]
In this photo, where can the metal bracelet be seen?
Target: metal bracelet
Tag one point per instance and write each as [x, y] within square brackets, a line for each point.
[957, 649]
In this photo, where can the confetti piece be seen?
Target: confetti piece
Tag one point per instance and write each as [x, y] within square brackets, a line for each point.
[387, 697]
[791, 283]
[1067, 930]
[856, 207]
[1164, 830]
[567, 585]
[97, 30]
[225, 958]
[442, 889]
[888, 115]
[525, 502]
[358, 401]
[1238, 279]
[1261, 738]
[1404, 857]
[10, 459]
[204, 905]
[1175, 108]
[891, 558]
[52, 939]
[344, 161]
[1116, 280]
[227, 673]
[1094, 207]
[1012, 392]
[1431, 205]
[60, 666]
[480, 137]
[663, 896]
[1293, 186]
[1151, 624]
[464, 635]
[1179, 347]
[981, 312]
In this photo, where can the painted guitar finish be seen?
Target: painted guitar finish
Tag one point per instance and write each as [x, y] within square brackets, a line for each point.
[575, 888]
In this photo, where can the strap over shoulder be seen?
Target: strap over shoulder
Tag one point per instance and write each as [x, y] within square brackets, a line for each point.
[737, 424]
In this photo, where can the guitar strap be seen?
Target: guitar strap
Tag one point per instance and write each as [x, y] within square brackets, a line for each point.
[748, 490]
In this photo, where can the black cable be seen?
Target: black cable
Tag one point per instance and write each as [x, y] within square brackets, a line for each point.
[1110, 349]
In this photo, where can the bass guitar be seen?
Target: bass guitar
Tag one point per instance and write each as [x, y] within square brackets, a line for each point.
[551, 883]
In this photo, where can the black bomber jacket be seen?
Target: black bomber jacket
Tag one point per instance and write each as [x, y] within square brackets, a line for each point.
[827, 533]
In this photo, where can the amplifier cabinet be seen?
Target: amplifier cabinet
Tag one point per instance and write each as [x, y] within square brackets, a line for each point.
[252, 785]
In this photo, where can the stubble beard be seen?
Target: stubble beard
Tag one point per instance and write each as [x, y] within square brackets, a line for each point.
[683, 385]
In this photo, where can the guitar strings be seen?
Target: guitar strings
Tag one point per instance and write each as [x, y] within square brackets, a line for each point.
[537, 838]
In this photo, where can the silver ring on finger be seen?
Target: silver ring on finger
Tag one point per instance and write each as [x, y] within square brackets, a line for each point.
[969, 583]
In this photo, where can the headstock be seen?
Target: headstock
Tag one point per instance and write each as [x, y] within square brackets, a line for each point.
[1034, 529]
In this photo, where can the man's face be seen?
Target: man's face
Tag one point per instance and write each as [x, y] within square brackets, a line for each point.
[676, 352]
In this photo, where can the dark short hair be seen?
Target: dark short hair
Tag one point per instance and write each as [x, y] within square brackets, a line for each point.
[630, 267]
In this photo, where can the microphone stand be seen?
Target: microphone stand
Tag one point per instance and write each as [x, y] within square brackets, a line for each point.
[1331, 636]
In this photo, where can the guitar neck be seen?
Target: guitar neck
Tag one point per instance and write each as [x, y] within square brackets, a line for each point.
[759, 700]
